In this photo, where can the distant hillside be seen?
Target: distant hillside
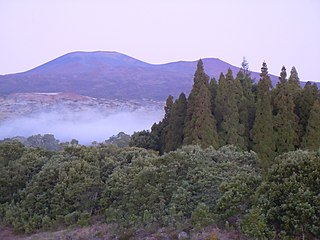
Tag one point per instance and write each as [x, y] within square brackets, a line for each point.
[111, 75]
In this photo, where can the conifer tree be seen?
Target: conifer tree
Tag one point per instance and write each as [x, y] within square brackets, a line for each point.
[165, 123]
[294, 82]
[262, 132]
[159, 130]
[304, 104]
[200, 125]
[294, 86]
[228, 98]
[285, 124]
[213, 89]
[245, 68]
[218, 113]
[311, 139]
[174, 130]
[246, 106]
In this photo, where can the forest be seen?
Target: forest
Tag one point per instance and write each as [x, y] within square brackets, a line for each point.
[233, 154]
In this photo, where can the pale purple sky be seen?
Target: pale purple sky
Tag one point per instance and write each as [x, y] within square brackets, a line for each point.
[281, 32]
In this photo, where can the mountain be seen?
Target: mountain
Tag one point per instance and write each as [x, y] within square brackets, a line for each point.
[112, 75]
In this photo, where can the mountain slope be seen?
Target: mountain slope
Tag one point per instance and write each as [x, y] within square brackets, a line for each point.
[111, 75]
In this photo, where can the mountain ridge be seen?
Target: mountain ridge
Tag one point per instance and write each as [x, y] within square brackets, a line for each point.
[113, 75]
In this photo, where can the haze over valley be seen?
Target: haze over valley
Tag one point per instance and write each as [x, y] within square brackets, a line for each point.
[71, 116]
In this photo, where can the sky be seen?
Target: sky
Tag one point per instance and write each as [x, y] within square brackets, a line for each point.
[280, 32]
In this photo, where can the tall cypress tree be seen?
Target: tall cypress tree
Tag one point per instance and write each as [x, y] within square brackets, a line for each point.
[200, 125]
[214, 90]
[294, 86]
[262, 132]
[294, 82]
[228, 98]
[246, 105]
[218, 112]
[174, 130]
[304, 103]
[159, 130]
[311, 139]
[285, 124]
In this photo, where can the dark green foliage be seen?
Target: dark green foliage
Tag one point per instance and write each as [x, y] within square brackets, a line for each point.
[168, 189]
[135, 187]
[10, 151]
[63, 188]
[228, 99]
[285, 124]
[157, 137]
[262, 132]
[200, 125]
[20, 168]
[163, 125]
[311, 139]
[145, 139]
[175, 127]
[238, 197]
[201, 216]
[255, 225]
[47, 141]
[120, 140]
[218, 101]
[64, 185]
[288, 200]
[214, 91]
[294, 82]
[304, 103]
[246, 105]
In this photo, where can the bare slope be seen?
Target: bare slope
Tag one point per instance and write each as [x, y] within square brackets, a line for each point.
[111, 75]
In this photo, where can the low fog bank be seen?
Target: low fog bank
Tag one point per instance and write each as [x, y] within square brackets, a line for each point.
[85, 126]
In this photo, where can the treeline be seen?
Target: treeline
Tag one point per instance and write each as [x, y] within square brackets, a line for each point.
[270, 121]
[49, 142]
[186, 189]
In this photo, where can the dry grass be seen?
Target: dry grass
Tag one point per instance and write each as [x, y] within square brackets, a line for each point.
[102, 231]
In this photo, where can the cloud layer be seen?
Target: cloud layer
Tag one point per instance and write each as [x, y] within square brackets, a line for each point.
[86, 126]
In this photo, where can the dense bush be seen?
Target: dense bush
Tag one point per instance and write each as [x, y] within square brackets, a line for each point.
[136, 187]
[169, 188]
[289, 199]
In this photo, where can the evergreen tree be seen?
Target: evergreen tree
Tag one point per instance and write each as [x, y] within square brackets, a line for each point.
[174, 130]
[311, 139]
[164, 124]
[214, 91]
[228, 98]
[200, 125]
[245, 68]
[285, 125]
[262, 130]
[304, 104]
[294, 82]
[219, 102]
[159, 130]
[246, 106]
[294, 86]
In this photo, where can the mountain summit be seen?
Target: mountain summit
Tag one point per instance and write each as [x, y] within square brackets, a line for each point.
[112, 75]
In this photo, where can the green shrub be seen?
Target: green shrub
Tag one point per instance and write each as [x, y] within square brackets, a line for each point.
[201, 216]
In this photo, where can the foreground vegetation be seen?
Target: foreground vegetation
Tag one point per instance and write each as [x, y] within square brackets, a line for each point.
[189, 188]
